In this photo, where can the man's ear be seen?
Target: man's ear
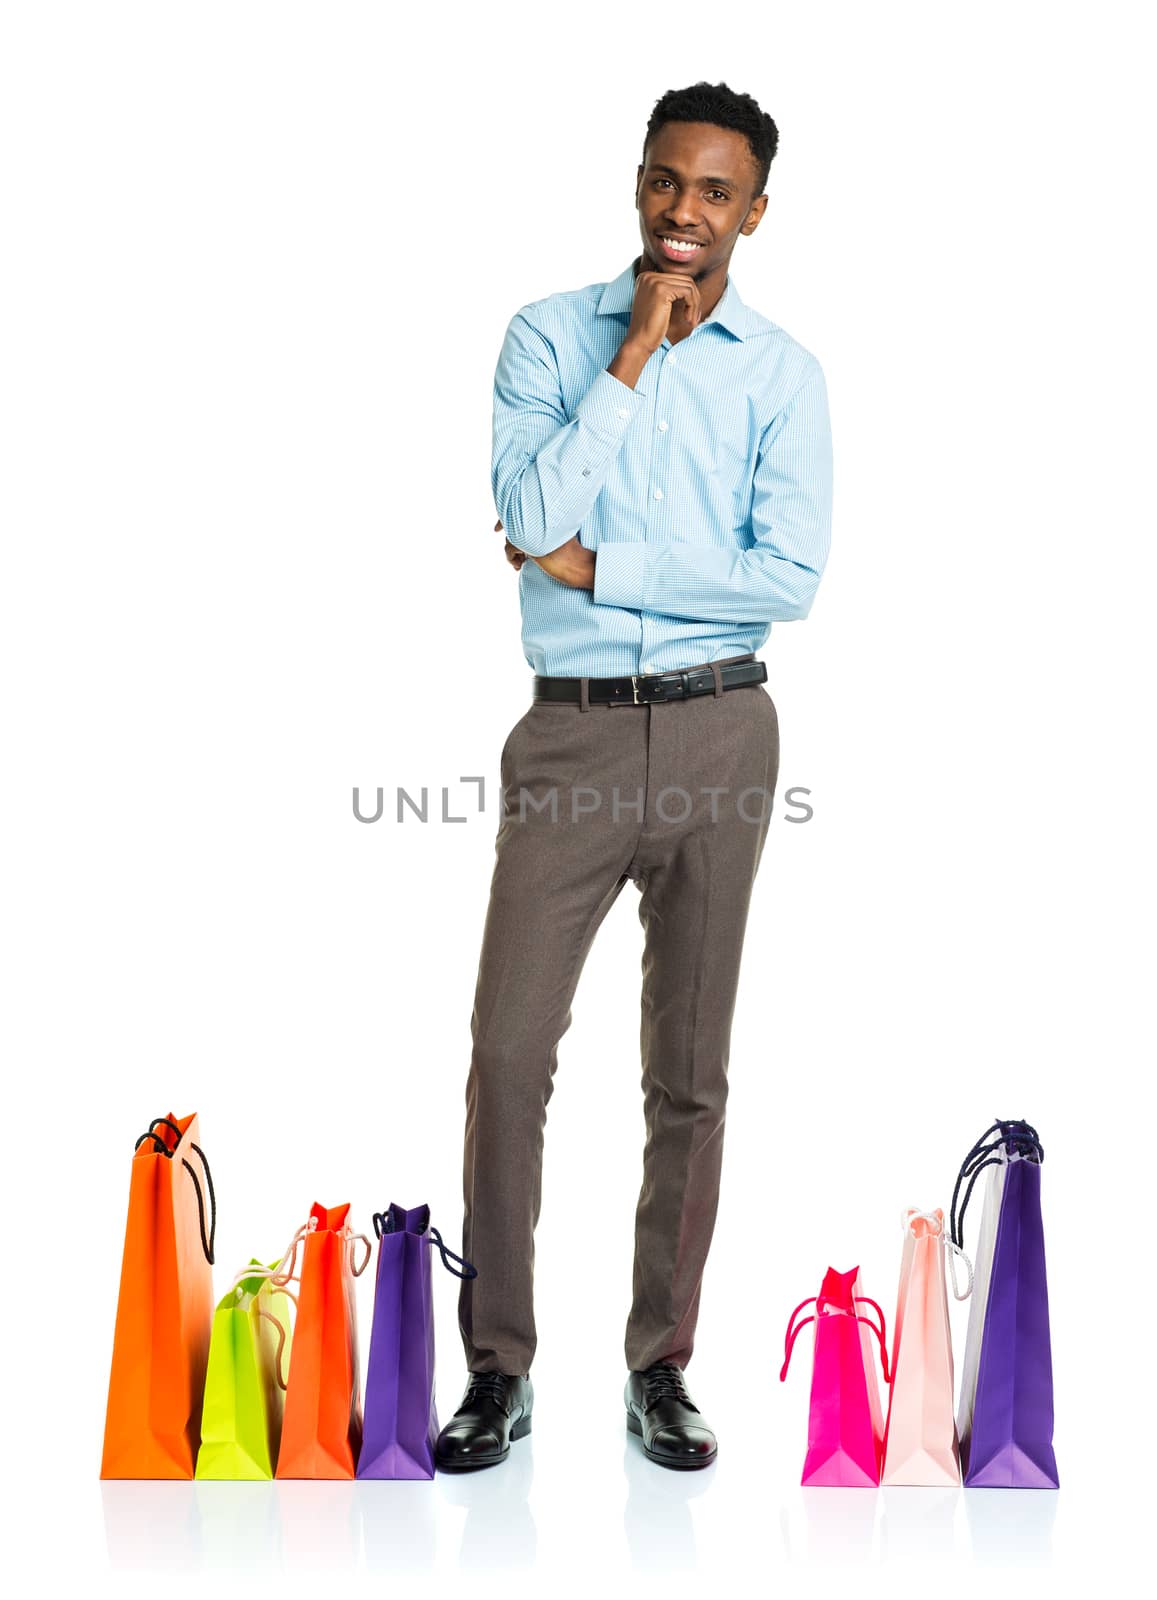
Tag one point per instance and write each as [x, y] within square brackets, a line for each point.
[754, 214]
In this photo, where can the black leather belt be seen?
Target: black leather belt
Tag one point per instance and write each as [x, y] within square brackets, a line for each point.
[645, 688]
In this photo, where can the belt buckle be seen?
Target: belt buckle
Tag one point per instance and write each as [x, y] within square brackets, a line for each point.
[635, 687]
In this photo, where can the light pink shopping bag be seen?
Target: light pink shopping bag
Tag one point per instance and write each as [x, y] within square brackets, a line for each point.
[845, 1418]
[920, 1444]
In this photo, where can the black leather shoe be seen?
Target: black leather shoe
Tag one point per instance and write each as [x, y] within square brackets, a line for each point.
[495, 1409]
[659, 1409]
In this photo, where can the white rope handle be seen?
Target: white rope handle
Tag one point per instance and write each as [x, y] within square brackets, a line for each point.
[286, 1269]
[954, 1251]
[937, 1222]
[281, 1330]
[350, 1238]
[276, 1279]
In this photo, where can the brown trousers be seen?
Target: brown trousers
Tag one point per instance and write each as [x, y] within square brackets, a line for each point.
[594, 796]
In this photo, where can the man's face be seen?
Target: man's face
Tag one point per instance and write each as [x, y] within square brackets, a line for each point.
[695, 184]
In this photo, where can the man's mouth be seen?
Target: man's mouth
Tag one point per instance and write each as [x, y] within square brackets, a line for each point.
[676, 249]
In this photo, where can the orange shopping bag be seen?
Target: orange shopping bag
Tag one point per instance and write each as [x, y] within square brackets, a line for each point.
[164, 1310]
[321, 1430]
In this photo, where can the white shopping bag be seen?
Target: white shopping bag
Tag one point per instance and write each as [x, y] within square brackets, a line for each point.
[992, 1183]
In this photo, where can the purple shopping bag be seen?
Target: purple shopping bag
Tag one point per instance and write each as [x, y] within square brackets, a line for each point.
[400, 1416]
[1008, 1442]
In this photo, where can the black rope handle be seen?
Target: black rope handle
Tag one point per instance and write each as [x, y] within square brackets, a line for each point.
[208, 1241]
[1016, 1135]
[470, 1272]
[207, 1244]
[978, 1157]
[384, 1223]
[956, 1230]
[162, 1148]
[1006, 1134]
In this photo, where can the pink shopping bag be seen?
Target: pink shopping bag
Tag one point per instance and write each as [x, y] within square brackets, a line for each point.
[920, 1443]
[845, 1419]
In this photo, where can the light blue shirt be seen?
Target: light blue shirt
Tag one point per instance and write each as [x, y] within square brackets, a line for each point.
[705, 491]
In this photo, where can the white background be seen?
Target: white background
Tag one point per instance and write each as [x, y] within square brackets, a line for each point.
[259, 262]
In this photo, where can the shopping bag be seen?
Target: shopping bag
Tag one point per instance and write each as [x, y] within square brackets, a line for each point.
[1008, 1443]
[322, 1421]
[245, 1381]
[992, 1183]
[164, 1307]
[920, 1444]
[401, 1419]
[845, 1419]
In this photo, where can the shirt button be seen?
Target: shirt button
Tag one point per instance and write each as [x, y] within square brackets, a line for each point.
[671, 360]
[622, 411]
[658, 494]
[662, 427]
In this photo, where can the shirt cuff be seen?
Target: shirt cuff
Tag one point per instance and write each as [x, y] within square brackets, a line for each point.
[609, 405]
[619, 573]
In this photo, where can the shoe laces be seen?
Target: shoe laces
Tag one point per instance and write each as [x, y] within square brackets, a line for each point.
[664, 1381]
[487, 1385]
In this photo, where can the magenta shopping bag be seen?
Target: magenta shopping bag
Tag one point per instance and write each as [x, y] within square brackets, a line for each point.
[845, 1418]
[401, 1419]
[1006, 1439]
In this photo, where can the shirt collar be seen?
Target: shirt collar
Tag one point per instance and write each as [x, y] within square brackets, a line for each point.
[730, 311]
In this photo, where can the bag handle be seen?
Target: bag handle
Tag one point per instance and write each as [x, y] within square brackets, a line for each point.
[284, 1271]
[384, 1222]
[277, 1369]
[468, 1271]
[861, 1299]
[907, 1218]
[1018, 1136]
[275, 1281]
[351, 1238]
[208, 1241]
[792, 1334]
[819, 1301]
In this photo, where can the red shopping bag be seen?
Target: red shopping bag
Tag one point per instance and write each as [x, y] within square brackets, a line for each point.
[321, 1429]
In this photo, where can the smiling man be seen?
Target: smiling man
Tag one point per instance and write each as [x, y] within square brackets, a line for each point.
[662, 471]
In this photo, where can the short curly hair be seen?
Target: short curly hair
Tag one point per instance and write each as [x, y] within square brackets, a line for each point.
[720, 104]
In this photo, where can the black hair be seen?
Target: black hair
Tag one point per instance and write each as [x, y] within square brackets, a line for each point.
[721, 105]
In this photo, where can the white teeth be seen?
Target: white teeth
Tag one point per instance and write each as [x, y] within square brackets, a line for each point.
[684, 246]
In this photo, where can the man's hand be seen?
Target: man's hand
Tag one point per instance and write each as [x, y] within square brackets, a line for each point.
[513, 554]
[665, 303]
[572, 563]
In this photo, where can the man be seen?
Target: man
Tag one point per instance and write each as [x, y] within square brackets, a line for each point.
[662, 467]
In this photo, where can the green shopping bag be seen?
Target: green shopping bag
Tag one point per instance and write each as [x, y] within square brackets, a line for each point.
[245, 1381]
